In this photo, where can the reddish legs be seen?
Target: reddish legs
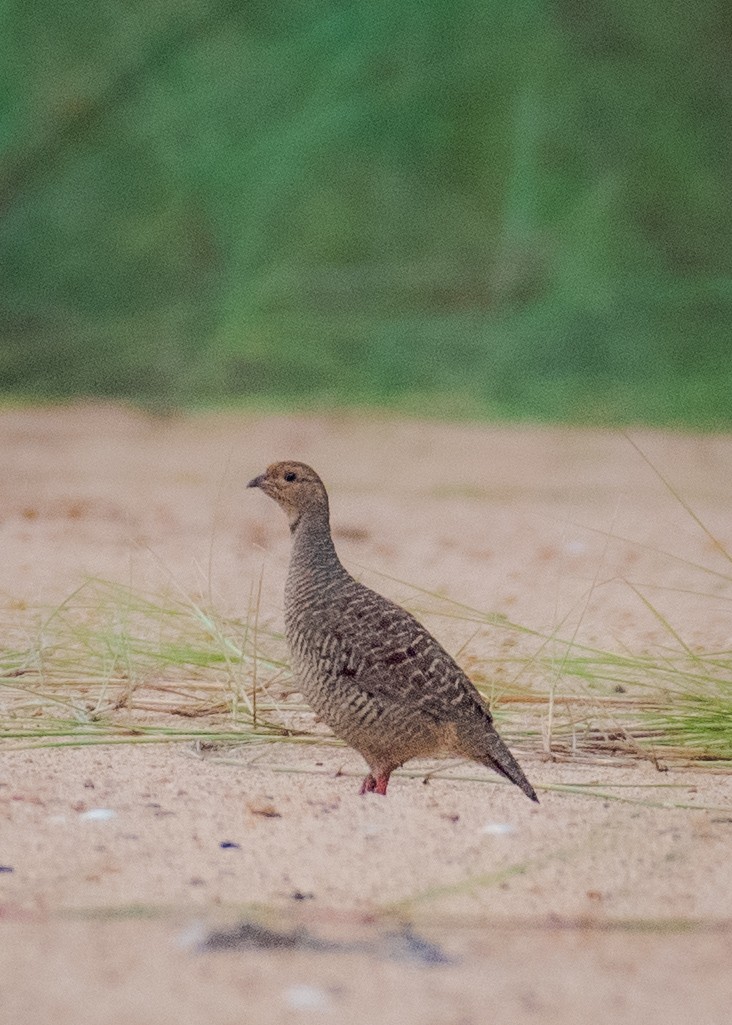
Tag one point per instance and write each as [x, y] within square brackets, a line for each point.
[375, 784]
[368, 786]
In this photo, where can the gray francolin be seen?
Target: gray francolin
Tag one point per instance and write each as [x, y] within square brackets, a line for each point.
[366, 667]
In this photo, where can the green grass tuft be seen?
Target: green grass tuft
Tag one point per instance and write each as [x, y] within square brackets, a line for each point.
[110, 665]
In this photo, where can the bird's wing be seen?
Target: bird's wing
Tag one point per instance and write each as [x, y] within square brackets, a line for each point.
[389, 655]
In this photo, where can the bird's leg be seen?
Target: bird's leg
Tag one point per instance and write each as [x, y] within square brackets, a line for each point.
[376, 784]
[368, 786]
[382, 782]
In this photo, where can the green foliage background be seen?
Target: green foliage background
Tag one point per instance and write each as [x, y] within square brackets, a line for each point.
[518, 209]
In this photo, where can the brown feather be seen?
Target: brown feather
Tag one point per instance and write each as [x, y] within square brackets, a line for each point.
[365, 665]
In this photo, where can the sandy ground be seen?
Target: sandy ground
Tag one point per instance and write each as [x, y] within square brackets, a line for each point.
[616, 907]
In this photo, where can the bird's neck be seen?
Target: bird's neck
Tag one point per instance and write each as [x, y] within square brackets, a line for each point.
[312, 544]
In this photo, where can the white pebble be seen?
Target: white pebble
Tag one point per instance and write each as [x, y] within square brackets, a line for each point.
[498, 828]
[98, 815]
[306, 998]
[575, 547]
[192, 936]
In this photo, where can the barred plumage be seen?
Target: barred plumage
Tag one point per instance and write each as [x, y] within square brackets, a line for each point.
[366, 666]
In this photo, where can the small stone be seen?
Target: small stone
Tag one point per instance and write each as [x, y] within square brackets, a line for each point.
[498, 829]
[307, 998]
[267, 811]
[97, 815]
[575, 547]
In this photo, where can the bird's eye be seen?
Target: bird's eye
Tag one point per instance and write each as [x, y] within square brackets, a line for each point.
[290, 476]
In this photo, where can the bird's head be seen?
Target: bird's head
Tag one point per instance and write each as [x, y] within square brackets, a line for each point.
[295, 487]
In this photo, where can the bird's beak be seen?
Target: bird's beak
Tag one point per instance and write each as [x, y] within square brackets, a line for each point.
[256, 482]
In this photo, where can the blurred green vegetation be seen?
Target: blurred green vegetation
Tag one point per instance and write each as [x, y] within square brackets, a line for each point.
[518, 209]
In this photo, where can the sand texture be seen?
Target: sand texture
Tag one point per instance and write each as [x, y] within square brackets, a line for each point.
[612, 903]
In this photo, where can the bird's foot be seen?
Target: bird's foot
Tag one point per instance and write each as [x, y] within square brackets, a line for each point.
[375, 785]
[368, 786]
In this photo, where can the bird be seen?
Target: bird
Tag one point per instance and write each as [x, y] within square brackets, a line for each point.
[367, 667]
